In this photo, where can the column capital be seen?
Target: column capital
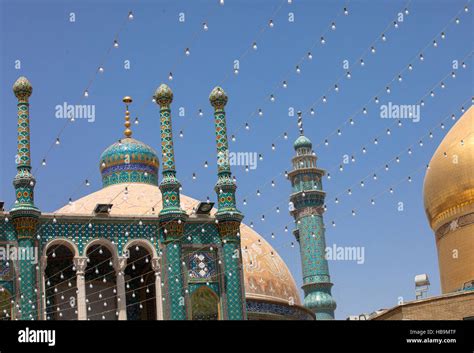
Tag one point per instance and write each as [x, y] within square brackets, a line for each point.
[120, 264]
[80, 262]
[156, 264]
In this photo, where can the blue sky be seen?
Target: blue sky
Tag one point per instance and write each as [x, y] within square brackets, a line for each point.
[61, 59]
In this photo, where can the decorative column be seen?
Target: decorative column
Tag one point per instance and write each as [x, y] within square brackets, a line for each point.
[155, 265]
[120, 265]
[80, 263]
[228, 216]
[172, 217]
[24, 214]
[307, 208]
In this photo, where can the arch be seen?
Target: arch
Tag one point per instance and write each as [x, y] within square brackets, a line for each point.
[104, 242]
[62, 241]
[205, 304]
[144, 243]
[5, 304]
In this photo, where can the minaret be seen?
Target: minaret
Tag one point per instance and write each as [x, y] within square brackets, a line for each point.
[25, 214]
[172, 217]
[228, 216]
[307, 207]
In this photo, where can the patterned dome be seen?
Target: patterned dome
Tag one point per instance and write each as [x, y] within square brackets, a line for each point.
[302, 141]
[129, 161]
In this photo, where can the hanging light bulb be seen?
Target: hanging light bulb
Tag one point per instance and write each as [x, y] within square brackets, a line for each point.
[57, 141]
[271, 24]
[272, 98]
[181, 134]
[310, 56]
[395, 24]
[311, 111]
[116, 45]
[273, 147]
[375, 177]
[43, 162]
[387, 89]
[87, 183]
[232, 138]
[187, 52]
[384, 38]
[236, 71]
[205, 164]
[204, 26]
[400, 78]
[457, 21]
[422, 57]
[260, 112]
[285, 136]
[364, 110]
[101, 69]
[324, 99]
[333, 26]
[285, 84]
[130, 15]
[254, 46]
[410, 67]
[298, 70]
[443, 35]
[170, 76]
[372, 50]
[362, 63]
[435, 43]
[336, 88]
[376, 100]
[247, 126]
[372, 201]
[346, 11]
[348, 74]
[86, 93]
[323, 41]
[326, 142]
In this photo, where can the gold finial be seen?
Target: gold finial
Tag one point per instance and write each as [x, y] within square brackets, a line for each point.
[127, 100]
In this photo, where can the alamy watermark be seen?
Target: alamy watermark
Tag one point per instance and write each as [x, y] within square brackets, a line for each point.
[15, 253]
[400, 111]
[77, 111]
[244, 159]
[346, 253]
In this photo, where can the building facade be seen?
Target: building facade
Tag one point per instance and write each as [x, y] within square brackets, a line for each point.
[138, 249]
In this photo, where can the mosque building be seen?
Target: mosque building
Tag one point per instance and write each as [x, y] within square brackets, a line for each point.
[138, 249]
[448, 194]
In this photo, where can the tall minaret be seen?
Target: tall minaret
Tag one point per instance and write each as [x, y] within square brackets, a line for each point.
[307, 207]
[172, 217]
[25, 214]
[227, 215]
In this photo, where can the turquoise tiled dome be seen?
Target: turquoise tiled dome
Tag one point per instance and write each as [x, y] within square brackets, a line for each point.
[129, 161]
[302, 141]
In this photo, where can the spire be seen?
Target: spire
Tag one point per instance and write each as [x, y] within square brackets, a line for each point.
[163, 97]
[228, 217]
[24, 181]
[128, 132]
[300, 123]
[307, 208]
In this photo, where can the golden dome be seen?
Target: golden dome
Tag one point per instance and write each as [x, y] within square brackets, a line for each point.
[449, 181]
[266, 275]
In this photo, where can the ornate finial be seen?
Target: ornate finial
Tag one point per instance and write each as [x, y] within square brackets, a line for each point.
[300, 122]
[218, 98]
[22, 88]
[127, 100]
[163, 95]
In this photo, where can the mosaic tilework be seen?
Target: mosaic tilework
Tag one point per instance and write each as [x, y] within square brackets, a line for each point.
[129, 160]
[233, 280]
[284, 311]
[213, 285]
[201, 266]
[174, 300]
[27, 284]
[308, 200]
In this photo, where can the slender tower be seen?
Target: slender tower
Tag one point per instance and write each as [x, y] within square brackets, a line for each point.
[25, 214]
[172, 217]
[228, 216]
[307, 208]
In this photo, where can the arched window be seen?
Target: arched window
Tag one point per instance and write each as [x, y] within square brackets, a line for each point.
[204, 304]
[6, 305]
